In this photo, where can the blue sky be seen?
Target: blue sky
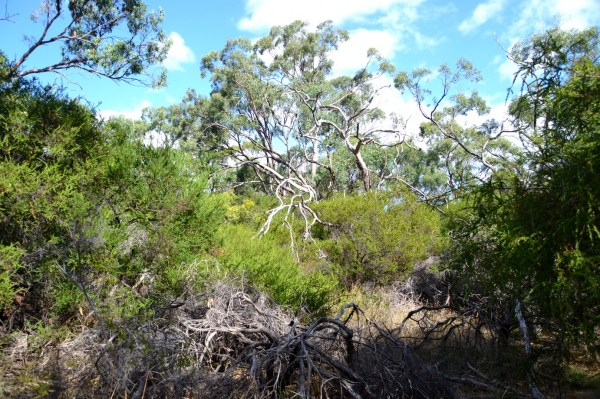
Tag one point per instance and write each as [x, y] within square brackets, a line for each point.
[410, 33]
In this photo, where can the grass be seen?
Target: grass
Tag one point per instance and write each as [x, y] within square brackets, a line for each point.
[382, 304]
[579, 377]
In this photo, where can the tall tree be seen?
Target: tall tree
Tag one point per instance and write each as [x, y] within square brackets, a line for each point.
[181, 125]
[465, 155]
[281, 108]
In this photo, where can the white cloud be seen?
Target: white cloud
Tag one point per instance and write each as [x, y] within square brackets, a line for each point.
[133, 113]
[577, 14]
[390, 100]
[483, 12]
[263, 14]
[538, 15]
[387, 25]
[426, 41]
[499, 112]
[507, 70]
[352, 55]
[179, 54]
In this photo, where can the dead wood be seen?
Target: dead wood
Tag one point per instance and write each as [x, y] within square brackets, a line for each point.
[236, 343]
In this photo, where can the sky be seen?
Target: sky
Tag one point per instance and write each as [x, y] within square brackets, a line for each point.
[409, 33]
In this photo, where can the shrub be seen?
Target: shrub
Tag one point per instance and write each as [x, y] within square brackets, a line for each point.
[377, 237]
[267, 264]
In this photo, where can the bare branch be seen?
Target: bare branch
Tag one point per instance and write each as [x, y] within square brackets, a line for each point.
[7, 16]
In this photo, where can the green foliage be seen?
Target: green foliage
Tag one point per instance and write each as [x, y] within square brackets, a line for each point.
[377, 238]
[87, 205]
[294, 103]
[533, 235]
[270, 265]
[117, 39]
[9, 266]
[418, 170]
[157, 188]
[181, 125]
[457, 156]
[580, 379]
[49, 151]
[248, 209]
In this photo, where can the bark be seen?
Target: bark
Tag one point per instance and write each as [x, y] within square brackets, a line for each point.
[535, 392]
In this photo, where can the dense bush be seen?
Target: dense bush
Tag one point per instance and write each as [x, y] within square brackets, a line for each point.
[534, 236]
[50, 150]
[87, 208]
[266, 263]
[377, 237]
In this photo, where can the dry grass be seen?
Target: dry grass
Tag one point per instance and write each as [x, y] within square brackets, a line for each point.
[464, 339]
[402, 341]
[229, 342]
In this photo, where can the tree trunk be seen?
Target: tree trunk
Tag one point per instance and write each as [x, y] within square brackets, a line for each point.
[364, 171]
[315, 160]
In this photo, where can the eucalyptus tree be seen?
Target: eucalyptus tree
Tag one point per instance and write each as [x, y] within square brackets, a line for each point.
[117, 39]
[180, 125]
[280, 109]
[465, 155]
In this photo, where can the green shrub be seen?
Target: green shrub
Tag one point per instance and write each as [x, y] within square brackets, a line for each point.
[86, 204]
[580, 379]
[50, 148]
[9, 265]
[377, 237]
[270, 266]
[532, 233]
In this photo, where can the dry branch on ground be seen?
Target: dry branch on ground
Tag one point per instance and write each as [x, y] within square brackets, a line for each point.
[230, 342]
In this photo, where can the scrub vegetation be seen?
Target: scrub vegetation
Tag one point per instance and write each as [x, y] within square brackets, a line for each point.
[290, 239]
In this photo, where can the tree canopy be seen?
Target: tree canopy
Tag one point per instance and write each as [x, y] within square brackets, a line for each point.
[283, 114]
[117, 39]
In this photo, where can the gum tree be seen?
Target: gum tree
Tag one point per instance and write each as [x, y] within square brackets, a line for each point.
[466, 155]
[117, 39]
[283, 113]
